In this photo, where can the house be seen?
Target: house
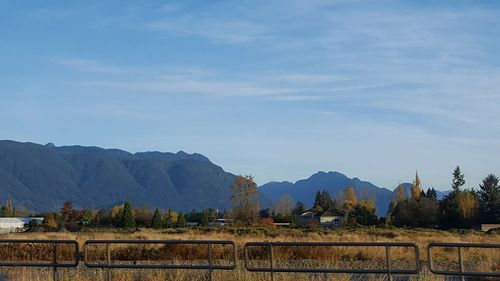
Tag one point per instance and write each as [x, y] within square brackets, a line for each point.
[487, 227]
[221, 222]
[16, 224]
[330, 218]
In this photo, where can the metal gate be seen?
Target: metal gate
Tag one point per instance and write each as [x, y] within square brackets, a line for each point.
[461, 271]
[54, 263]
[108, 265]
[388, 270]
[230, 262]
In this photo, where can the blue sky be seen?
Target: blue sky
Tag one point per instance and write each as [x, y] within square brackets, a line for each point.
[276, 89]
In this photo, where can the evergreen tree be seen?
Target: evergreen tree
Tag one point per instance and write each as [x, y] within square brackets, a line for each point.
[205, 218]
[390, 211]
[364, 213]
[324, 200]
[422, 194]
[157, 221]
[423, 212]
[335, 205]
[128, 217]
[451, 214]
[489, 199]
[458, 179]
[317, 199]
[432, 194]
[328, 201]
[265, 213]
[181, 220]
[170, 219]
[317, 208]
[299, 209]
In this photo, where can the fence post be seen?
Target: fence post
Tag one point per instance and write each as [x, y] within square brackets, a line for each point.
[108, 262]
[54, 261]
[271, 259]
[388, 262]
[460, 263]
[210, 261]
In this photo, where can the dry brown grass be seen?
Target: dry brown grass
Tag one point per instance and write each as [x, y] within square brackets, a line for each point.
[299, 257]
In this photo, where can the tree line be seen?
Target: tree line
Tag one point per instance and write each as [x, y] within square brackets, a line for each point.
[461, 208]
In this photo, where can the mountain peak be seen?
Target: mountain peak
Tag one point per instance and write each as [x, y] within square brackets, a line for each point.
[334, 182]
[41, 178]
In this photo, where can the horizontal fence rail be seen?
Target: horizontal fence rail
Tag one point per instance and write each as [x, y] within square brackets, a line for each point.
[53, 263]
[387, 270]
[110, 265]
[460, 272]
[31, 257]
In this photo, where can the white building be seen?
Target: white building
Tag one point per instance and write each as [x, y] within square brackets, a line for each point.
[16, 223]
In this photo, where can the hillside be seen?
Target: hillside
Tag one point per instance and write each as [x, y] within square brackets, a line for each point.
[333, 182]
[42, 177]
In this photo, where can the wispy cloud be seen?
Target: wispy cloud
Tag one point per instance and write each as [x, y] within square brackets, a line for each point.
[176, 84]
[233, 31]
[310, 78]
[86, 65]
[299, 98]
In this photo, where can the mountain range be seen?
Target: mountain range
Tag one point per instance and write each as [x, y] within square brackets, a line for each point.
[334, 183]
[42, 177]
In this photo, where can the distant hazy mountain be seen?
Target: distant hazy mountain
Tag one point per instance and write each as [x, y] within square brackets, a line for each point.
[42, 177]
[334, 183]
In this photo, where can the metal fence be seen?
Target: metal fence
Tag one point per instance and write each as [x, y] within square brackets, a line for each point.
[388, 270]
[460, 272]
[109, 264]
[54, 263]
[210, 263]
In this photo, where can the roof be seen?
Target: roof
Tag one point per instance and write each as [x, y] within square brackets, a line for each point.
[329, 213]
[332, 213]
[17, 220]
[309, 214]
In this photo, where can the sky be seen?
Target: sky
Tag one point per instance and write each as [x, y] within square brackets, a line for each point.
[275, 89]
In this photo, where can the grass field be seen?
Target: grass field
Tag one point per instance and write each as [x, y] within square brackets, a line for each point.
[317, 257]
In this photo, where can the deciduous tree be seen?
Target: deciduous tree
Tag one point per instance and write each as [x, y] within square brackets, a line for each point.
[349, 198]
[416, 188]
[49, 221]
[244, 198]
[284, 205]
[467, 206]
